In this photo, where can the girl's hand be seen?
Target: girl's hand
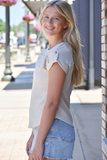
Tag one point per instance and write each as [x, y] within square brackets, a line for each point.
[29, 143]
[37, 152]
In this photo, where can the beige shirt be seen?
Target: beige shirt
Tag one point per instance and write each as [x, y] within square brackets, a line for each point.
[61, 53]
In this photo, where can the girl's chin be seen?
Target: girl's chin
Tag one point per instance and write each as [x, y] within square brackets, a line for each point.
[49, 34]
[49, 31]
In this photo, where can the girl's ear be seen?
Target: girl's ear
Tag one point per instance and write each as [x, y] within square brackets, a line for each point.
[66, 25]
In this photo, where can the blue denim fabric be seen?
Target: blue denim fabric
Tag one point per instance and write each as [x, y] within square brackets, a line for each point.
[59, 142]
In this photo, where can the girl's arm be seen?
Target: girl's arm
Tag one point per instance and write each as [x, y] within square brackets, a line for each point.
[56, 78]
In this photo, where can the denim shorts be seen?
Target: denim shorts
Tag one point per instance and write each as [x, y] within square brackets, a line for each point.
[59, 142]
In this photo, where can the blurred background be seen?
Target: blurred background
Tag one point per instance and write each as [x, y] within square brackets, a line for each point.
[88, 21]
[20, 45]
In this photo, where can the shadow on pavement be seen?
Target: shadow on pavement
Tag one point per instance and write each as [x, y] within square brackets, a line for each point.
[32, 65]
[22, 81]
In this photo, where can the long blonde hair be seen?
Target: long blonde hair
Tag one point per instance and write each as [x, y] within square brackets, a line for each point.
[70, 35]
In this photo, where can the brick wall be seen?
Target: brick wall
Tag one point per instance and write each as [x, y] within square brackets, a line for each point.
[104, 76]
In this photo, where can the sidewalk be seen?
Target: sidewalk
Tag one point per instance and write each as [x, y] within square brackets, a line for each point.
[14, 105]
[86, 111]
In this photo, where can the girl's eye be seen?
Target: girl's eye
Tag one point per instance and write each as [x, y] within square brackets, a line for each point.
[46, 17]
[56, 18]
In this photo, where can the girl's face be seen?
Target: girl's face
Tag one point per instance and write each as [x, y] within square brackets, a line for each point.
[53, 23]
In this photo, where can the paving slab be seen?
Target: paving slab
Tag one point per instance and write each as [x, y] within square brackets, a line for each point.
[87, 119]
[14, 133]
[78, 152]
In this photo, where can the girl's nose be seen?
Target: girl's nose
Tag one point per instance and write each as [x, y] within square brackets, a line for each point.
[50, 20]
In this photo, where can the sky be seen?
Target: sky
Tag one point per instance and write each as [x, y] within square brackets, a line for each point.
[16, 13]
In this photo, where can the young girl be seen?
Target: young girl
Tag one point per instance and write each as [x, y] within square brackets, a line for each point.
[58, 69]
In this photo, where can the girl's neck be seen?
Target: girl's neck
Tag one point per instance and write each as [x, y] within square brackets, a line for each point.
[54, 42]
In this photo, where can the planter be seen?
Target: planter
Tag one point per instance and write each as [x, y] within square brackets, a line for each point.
[13, 55]
[7, 2]
[37, 28]
[28, 18]
[22, 49]
[32, 48]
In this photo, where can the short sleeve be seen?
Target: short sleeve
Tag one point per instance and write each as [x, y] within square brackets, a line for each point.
[61, 55]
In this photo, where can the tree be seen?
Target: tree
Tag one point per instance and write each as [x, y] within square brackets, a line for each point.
[18, 28]
[14, 29]
[21, 26]
[2, 26]
[31, 30]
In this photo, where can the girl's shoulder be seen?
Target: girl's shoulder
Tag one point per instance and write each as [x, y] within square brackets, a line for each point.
[61, 54]
[65, 51]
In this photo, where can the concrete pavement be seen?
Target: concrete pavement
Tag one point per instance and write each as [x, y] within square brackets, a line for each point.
[14, 104]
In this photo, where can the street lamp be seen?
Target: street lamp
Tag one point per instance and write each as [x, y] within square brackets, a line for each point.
[27, 18]
[7, 73]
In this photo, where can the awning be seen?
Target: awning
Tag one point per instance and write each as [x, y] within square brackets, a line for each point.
[35, 6]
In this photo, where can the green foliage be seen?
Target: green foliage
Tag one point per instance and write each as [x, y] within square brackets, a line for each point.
[20, 27]
[31, 30]
[2, 46]
[2, 26]
[13, 29]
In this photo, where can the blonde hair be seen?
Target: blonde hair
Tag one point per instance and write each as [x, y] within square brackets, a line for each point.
[70, 35]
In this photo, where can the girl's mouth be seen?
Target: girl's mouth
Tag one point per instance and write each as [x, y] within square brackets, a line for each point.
[49, 28]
